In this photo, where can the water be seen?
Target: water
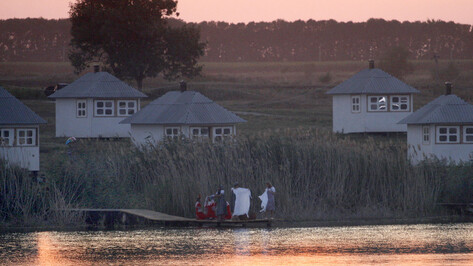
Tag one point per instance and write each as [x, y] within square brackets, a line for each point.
[395, 244]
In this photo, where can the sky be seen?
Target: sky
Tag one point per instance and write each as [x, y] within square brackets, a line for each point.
[460, 11]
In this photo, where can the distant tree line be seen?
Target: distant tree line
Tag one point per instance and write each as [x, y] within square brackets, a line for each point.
[48, 40]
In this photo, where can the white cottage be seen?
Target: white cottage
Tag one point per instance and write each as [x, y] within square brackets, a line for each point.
[371, 101]
[182, 113]
[443, 128]
[93, 106]
[19, 132]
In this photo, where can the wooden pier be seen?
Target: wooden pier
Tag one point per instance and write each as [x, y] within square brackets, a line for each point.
[112, 217]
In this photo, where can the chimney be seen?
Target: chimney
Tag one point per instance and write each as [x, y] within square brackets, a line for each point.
[448, 88]
[371, 63]
[183, 86]
[96, 68]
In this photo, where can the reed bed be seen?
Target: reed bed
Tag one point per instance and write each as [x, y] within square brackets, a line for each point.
[317, 175]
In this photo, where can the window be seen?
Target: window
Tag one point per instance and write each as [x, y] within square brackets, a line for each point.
[468, 134]
[104, 108]
[426, 135]
[355, 104]
[6, 137]
[172, 132]
[199, 132]
[377, 103]
[26, 137]
[448, 134]
[126, 108]
[222, 132]
[81, 108]
[400, 103]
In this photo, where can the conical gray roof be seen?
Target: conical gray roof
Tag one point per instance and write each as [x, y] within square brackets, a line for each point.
[372, 81]
[445, 109]
[183, 108]
[98, 85]
[14, 112]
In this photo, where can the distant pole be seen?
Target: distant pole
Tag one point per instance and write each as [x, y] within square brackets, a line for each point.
[320, 53]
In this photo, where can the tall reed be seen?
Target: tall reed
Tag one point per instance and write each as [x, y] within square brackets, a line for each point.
[317, 175]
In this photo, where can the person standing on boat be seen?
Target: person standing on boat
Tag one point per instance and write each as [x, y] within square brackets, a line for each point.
[232, 201]
[271, 206]
[242, 202]
[267, 200]
[199, 214]
[221, 203]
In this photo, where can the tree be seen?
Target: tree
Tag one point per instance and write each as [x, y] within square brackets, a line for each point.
[133, 40]
[395, 62]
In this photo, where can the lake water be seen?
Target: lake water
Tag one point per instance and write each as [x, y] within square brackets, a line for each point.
[429, 244]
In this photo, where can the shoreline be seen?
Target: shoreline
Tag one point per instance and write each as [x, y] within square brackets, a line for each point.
[275, 224]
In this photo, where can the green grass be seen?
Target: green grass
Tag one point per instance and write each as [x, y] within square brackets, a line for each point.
[272, 95]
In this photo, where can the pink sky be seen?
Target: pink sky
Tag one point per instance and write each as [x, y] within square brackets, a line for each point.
[267, 10]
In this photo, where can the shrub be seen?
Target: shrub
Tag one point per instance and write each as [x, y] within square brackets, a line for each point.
[325, 78]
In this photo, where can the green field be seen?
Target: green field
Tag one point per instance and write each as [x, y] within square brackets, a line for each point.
[270, 95]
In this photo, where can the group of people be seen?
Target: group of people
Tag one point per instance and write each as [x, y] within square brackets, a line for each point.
[216, 207]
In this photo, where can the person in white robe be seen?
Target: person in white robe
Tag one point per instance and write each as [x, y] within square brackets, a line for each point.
[267, 199]
[242, 201]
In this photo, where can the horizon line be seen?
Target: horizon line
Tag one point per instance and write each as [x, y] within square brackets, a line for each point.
[279, 19]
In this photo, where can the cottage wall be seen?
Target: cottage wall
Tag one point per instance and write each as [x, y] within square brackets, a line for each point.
[346, 121]
[418, 150]
[145, 134]
[23, 156]
[68, 124]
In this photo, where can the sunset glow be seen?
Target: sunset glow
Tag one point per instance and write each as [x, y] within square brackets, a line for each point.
[268, 10]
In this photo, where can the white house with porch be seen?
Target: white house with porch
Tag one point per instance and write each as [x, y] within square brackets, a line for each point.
[182, 113]
[443, 128]
[19, 132]
[93, 106]
[371, 101]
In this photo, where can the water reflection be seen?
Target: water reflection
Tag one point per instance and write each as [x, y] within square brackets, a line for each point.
[406, 244]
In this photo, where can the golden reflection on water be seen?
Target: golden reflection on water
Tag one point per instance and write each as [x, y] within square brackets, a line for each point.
[402, 244]
[47, 251]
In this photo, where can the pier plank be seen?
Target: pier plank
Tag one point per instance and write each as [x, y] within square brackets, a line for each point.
[155, 216]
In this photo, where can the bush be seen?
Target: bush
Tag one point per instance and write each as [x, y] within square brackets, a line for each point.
[325, 78]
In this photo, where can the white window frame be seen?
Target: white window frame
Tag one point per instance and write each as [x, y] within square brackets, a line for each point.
[378, 103]
[199, 132]
[355, 104]
[81, 108]
[27, 136]
[219, 133]
[174, 134]
[112, 108]
[465, 134]
[11, 137]
[392, 104]
[126, 108]
[426, 135]
[447, 134]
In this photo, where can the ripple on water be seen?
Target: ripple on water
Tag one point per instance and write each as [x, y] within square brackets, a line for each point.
[409, 244]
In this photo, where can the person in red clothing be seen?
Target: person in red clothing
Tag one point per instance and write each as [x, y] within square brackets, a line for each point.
[210, 207]
[228, 216]
[199, 214]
